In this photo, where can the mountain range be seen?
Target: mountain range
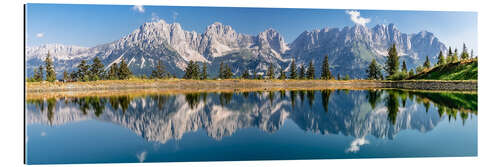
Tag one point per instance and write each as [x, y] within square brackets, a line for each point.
[349, 49]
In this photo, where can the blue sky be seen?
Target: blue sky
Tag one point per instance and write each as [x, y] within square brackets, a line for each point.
[91, 25]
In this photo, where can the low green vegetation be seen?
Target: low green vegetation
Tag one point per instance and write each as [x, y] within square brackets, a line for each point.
[462, 70]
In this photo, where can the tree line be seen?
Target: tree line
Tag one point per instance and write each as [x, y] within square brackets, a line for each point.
[397, 72]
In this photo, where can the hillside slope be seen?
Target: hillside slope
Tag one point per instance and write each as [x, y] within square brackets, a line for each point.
[464, 70]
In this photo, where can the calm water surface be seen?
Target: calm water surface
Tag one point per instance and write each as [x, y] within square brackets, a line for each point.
[280, 125]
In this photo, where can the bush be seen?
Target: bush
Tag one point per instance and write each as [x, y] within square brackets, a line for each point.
[398, 76]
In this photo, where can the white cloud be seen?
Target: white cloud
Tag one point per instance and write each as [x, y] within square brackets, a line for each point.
[142, 156]
[356, 17]
[39, 35]
[43, 134]
[356, 143]
[138, 8]
[155, 17]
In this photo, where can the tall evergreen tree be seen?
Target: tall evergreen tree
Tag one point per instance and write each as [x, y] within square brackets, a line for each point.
[404, 69]
[96, 69]
[455, 56]
[471, 53]
[270, 71]
[282, 74]
[373, 71]
[449, 57]
[302, 73]
[246, 74]
[427, 63]
[83, 71]
[192, 70]
[65, 76]
[338, 76]
[221, 70]
[228, 74]
[38, 74]
[465, 54]
[49, 69]
[123, 71]
[441, 59]
[310, 70]
[293, 70]
[159, 71]
[392, 63]
[204, 72]
[325, 69]
[113, 72]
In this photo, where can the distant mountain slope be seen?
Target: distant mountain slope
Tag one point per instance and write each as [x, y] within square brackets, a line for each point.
[350, 49]
[464, 70]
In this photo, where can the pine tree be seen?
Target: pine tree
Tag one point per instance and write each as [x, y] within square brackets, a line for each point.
[65, 76]
[204, 73]
[293, 70]
[338, 76]
[38, 74]
[96, 69]
[192, 70]
[123, 71]
[246, 74]
[427, 63]
[159, 71]
[49, 69]
[465, 54]
[449, 57]
[471, 53]
[310, 70]
[221, 70]
[441, 60]
[83, 71]
[373, 70]
[392, 63]
[228, 74]
[404, 69]
[411, 73]
[302, 73]
[113, 72]
[270, 71]
[325, 69]
[455, 56]
[282, 74]
[347, 77]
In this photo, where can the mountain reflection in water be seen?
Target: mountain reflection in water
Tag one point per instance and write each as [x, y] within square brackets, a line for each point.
[356, 113]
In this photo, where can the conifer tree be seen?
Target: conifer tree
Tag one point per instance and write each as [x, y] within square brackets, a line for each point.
[392, 63]
[228, 74]
[38, 74]
[123, 71]
[192, 70]
[347, 77]
[282, 74]
[65, 76]
[411, 73]
[465, 54]
[49, 69]
[221, 70]
[83, 71]
[246, 74]
[96, 69]
[325, 69]
[373, 70]
[404, 69]
[338, 76]
[427, 63]
[270, 71]
[159, 71]
[455, 56]
[113, 72]
[471, 53]
[449, 57]
[204, 73]
[441, 60]
[310, 70]
[302, 73]
[293, 70]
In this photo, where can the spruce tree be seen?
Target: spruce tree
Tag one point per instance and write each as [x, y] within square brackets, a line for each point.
[228, 74]
[302, 73]
[96, 69]
[392, 63]
[270, 71]
[123, 71]
[471, 53]
[427, 63]
[465, 54]
[221, 70]
[293, 70]
[204, 73]
[49, 69]
[411, 73]
[325, 69]
[246, 74]
[441, 60]
[113, 72]
[282, 74]
[449, 57]
[38, 74]
[159, 71]
[338, 76]
[455, 56]
[192, 70]
[83, 71]
[373, 71]
[347, 77]
[310, 70]
[404, 69]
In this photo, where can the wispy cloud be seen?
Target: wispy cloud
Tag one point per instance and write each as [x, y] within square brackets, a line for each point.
[142, 156]
[39, 35]
[43, 134]
[174, 15]
[356, 143]
[155, 17]
[138, 8]
[356, 17]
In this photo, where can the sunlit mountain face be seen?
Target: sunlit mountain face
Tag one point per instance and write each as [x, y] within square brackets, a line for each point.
[355, 117]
